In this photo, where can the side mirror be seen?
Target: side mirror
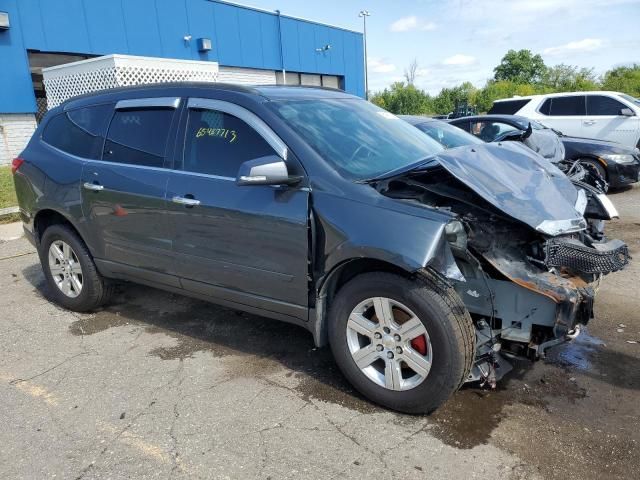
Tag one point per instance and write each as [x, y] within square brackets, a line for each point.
[269, 170]
[627, 112]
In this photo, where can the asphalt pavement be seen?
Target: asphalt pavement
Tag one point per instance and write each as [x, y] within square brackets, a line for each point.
[161, 386]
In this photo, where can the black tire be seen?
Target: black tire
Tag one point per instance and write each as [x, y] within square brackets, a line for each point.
[95, 291]
[448, 324]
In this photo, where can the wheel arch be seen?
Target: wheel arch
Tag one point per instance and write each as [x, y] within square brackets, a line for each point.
[594, 158]
[331, 283]
[46, 217]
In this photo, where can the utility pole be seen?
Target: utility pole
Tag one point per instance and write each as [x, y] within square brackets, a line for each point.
[364, 14]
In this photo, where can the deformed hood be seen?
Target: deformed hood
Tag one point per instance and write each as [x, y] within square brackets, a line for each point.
[546, 143]
[518, 182]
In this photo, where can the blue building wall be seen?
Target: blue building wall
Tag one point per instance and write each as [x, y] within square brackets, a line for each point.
[241, 37]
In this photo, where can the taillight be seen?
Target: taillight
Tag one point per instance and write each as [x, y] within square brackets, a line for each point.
[16, 164]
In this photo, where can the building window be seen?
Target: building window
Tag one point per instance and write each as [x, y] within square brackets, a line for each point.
[311, 79]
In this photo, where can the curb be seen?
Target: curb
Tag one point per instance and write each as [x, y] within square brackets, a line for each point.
[8, 211]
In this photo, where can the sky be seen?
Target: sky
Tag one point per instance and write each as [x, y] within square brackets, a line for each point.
[463, 40]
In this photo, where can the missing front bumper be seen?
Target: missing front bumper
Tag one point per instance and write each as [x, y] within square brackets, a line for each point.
[571, 254]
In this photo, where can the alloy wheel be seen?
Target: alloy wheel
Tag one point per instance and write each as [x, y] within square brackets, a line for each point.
[389, 343]
[65, 268]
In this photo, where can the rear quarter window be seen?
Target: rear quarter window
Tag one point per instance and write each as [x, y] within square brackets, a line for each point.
[508, 107]
[79, 132]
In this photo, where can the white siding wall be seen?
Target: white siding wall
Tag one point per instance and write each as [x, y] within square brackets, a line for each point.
[246, 76]
[15, 131]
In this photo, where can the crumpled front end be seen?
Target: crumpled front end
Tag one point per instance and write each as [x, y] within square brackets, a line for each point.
[528, 281]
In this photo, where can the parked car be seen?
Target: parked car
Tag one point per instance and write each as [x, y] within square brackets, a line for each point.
[320, 209]
[616, 164]
[611, 116]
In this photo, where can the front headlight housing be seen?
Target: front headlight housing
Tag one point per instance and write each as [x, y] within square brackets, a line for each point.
[619, 157]
[456, 235]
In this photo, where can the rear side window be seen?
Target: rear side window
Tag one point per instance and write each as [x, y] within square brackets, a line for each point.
[545, 108]
[601, 105]
[79, 132]
[217, 143]
[565, 106]
[138, 136]
[508, 107]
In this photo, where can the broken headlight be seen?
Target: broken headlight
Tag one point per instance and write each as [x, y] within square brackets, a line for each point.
[456, 235]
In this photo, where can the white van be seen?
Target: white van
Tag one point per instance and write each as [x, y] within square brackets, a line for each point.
[612, 116]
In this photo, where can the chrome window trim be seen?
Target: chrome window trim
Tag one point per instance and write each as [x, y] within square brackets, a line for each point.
[157, 102]
[163, 169]
[245, 115]
[132, 165]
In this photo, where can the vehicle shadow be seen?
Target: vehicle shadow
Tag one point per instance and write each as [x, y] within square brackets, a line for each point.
[198, 326]
[267, 345]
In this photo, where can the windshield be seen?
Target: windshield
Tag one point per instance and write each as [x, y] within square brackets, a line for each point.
[357, 138]
[447, 135]
[631, 99]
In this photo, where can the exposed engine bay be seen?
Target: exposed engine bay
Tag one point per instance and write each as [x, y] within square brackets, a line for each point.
[527, 284]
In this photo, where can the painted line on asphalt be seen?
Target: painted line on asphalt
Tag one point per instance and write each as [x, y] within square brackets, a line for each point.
[150, 450]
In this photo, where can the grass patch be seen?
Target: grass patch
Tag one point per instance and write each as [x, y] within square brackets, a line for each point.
[7, 191]
[9, 218]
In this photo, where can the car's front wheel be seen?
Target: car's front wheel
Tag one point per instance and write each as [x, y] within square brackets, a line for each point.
[407, 344]
[74, 282]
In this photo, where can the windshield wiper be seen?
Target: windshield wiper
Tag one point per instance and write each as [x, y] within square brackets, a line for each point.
[423, 162]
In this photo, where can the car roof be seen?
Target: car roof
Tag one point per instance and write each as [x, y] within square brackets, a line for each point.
[268, 92]
[418, 119]
[557, 94]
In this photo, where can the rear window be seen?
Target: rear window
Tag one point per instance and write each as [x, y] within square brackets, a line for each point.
[79, 132]
[508, 107]
[138, 136]
[565, 106]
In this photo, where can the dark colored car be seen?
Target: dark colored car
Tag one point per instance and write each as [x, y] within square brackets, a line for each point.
[617, 164]
[317, 208]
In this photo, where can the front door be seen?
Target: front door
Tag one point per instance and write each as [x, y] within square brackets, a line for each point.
[605, 121]
[243, 244]
[123, 194]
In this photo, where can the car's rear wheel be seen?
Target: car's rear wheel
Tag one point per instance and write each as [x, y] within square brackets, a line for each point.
[71, 274]
[407, 344]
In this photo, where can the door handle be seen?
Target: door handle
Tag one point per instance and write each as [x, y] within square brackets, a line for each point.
[189, 202]
[93, 186]
[589, 122]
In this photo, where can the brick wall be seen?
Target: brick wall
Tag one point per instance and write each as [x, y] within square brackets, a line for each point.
[15, 131]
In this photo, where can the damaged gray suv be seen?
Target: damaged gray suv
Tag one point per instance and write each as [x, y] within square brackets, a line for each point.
[419, 267]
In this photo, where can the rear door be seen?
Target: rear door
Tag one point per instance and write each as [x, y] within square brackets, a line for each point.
[565, 113]
[604, 121]
[123, 193]
[244, 244]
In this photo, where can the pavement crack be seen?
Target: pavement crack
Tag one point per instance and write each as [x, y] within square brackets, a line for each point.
[44, 372]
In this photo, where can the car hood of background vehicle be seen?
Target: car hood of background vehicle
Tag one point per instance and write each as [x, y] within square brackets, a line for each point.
[515, 180]
[584, 145]
[547, 144]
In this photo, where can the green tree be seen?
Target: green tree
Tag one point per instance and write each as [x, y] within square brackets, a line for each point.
[623, 79]
[568, 78]
[403, 99]
[520, 66]
[448, 98]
